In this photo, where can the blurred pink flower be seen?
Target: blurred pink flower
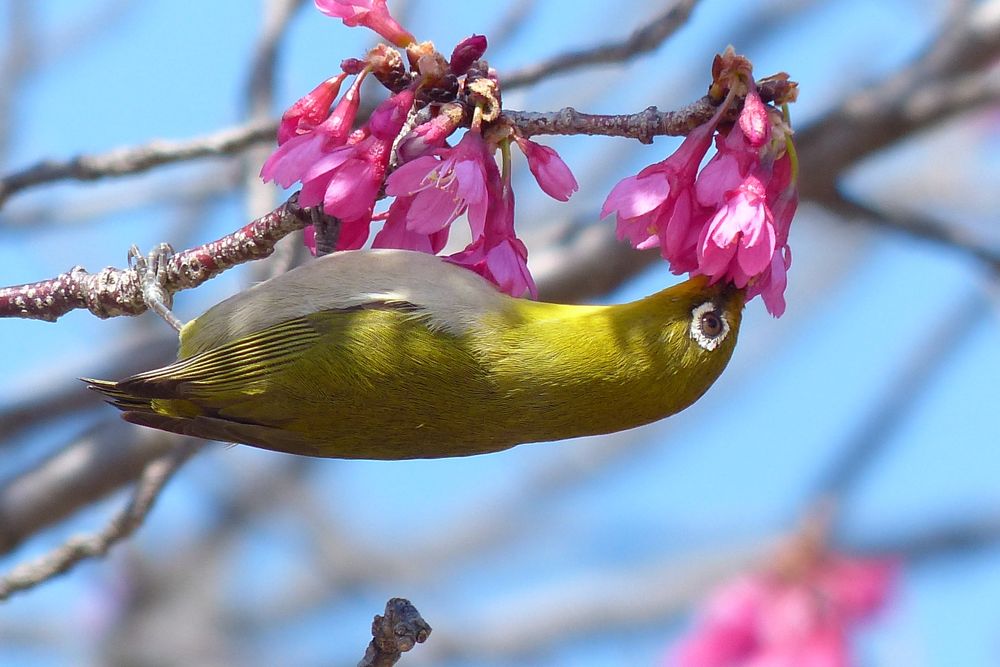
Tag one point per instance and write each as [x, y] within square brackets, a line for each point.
[310, 110]
[769, 619]
[373, 14]
[438, 188]
[552, 174]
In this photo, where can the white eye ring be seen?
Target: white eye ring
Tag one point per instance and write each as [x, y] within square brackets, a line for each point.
[699, 336]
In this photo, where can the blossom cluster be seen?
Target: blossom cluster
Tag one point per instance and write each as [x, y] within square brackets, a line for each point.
[432, 182]
[730, 219]
[797, 618]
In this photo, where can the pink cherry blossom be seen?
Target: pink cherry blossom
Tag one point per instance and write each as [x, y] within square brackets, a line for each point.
[739, 241]
[428, 137]
[310, 110]
[770, 284]
[347, 179]
[730, 221]
[552, 174]
[439, 188]
[299, 153]
[373, 14]
[657, 206]
[774, 619]
[733, 160]
[344, 177]
[498, 255]
[396, 235]
[753, 193]
[507, 264]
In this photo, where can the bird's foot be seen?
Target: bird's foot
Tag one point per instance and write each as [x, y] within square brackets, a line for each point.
[152, 271]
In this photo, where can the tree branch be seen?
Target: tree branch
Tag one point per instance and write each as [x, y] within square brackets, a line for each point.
[124, 523]
[653, 32]
[876, 117]
[136, 159]
[114, 292]
[105, 458]
[644, 125]
[919, 226]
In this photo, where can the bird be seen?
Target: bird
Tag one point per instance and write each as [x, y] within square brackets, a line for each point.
[397, 354]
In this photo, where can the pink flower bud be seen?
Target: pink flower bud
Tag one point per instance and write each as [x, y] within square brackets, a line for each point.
[754, 120]
[309, 111]
[299, 153]
[388, 119]
[352, 65]
[549, 170]
[468, 51]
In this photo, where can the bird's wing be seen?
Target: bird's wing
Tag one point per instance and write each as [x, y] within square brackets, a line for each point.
[449, 298]
[232, 365]
[269, 387]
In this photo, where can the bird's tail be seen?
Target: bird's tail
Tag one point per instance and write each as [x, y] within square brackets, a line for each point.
[118, 397]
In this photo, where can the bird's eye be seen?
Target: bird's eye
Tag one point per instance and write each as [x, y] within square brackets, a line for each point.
[711, 324]
[708, 325]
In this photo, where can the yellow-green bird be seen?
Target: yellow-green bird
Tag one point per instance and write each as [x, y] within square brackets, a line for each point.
[392, 354]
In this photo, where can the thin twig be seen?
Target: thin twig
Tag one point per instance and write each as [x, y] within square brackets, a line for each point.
[136, 159]
[94, 464]
[919, 226]
[194, 185]
[121, 526]
[643, 126]
[653, 32]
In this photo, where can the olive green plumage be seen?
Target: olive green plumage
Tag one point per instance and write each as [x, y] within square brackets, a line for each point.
[395, 355]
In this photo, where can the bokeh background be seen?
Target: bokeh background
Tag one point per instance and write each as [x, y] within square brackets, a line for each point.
[875, 395]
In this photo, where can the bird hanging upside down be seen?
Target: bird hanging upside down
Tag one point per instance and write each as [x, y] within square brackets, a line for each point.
[392, 354]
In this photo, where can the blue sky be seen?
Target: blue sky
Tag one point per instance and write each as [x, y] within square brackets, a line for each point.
[735, 468]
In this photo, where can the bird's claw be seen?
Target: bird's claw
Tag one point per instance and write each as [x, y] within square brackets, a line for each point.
[152, 272]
